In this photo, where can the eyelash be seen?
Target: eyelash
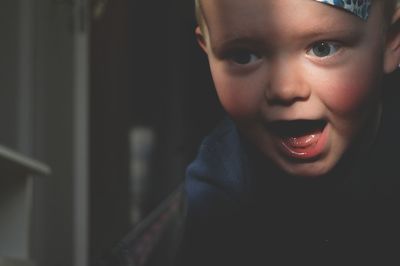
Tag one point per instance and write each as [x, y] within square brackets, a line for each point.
[243, 57]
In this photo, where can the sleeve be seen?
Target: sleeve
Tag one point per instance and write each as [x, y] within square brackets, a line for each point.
[211, 203]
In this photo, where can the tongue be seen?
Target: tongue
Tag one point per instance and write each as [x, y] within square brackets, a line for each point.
[302, 141]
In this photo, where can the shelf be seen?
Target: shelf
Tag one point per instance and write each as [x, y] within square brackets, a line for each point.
[14, 262]
[21, 165]
[16, 172]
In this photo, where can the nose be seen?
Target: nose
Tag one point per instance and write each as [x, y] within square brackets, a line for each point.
[287, 84]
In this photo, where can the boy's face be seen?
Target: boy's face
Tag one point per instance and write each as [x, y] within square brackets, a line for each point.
[300, 78]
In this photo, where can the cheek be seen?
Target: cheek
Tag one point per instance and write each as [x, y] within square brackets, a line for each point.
[240, 98]
[351, 92]
[346, 98]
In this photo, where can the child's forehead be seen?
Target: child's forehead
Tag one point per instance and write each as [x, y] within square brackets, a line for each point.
[282, 22]
[359, 8]
[253, 14]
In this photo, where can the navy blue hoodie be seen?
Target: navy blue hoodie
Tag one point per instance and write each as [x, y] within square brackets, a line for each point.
[242, 210]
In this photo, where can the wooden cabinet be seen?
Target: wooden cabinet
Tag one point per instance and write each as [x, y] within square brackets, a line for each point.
[16, 177]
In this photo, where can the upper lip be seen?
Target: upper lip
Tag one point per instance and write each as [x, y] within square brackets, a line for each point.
[298, 127]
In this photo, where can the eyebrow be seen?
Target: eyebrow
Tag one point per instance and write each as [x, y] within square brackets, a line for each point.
[332, 33]
[351, 33]
[238, 41]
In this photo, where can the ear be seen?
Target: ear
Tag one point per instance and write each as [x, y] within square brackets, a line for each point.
[392, 51]
[201, 39]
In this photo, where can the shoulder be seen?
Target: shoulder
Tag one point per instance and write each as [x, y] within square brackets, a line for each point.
[216, 176]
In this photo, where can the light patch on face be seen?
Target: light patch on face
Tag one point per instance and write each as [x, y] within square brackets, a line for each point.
[359, 8]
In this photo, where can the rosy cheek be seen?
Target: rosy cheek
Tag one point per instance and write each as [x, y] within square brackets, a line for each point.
[348, 95]
[347, 98]
[234, 105]
[238, 100]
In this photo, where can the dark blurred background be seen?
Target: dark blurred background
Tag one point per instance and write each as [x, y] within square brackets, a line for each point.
[114, 96]
[149, 84]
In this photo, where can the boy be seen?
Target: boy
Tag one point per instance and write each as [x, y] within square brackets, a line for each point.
[304, 169]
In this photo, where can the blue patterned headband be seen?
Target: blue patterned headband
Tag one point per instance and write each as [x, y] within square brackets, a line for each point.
[359, 8]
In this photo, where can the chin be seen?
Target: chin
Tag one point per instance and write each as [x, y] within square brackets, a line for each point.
[307, 170]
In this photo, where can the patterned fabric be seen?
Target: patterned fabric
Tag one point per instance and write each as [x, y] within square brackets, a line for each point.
[359, 8]
[155, 240]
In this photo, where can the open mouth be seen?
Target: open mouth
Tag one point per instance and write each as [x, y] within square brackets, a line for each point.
[302, 139]
[296, 128]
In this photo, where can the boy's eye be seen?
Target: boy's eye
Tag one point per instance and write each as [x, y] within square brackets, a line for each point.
[243, 57]
[323, 49]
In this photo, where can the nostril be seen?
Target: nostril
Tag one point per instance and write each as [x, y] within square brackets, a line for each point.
[285, 99]
[287, 94]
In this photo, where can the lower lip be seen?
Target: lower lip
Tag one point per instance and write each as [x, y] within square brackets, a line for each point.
[306, 147]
